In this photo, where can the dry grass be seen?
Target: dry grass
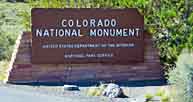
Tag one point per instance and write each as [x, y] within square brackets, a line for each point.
[96, 91]
[4, 70]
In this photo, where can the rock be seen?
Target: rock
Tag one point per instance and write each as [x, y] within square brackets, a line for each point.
[71, 88]
[112, 90]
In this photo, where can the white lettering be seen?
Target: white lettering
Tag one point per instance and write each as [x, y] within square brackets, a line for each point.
[63, 23]
[38, 32]
[70, 23]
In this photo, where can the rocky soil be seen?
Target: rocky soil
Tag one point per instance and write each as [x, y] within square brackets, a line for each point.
[135, 94]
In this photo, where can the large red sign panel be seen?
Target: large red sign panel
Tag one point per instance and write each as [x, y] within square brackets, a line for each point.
[80, 36]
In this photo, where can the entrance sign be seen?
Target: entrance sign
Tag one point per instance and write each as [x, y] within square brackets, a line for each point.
[85, 47]
[87, 36]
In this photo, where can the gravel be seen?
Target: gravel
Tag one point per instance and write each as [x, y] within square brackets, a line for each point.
[136, 94]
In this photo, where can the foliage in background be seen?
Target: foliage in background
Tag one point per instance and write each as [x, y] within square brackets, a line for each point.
[10, 27]
[169, 21]
[182, 78]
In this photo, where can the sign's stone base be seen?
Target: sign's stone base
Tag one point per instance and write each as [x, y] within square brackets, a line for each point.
[23, 71]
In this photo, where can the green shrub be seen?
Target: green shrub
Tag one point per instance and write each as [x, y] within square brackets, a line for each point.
[10, 27]
[182, 78]
[148, 97]
[165, 99]
[164, 94]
